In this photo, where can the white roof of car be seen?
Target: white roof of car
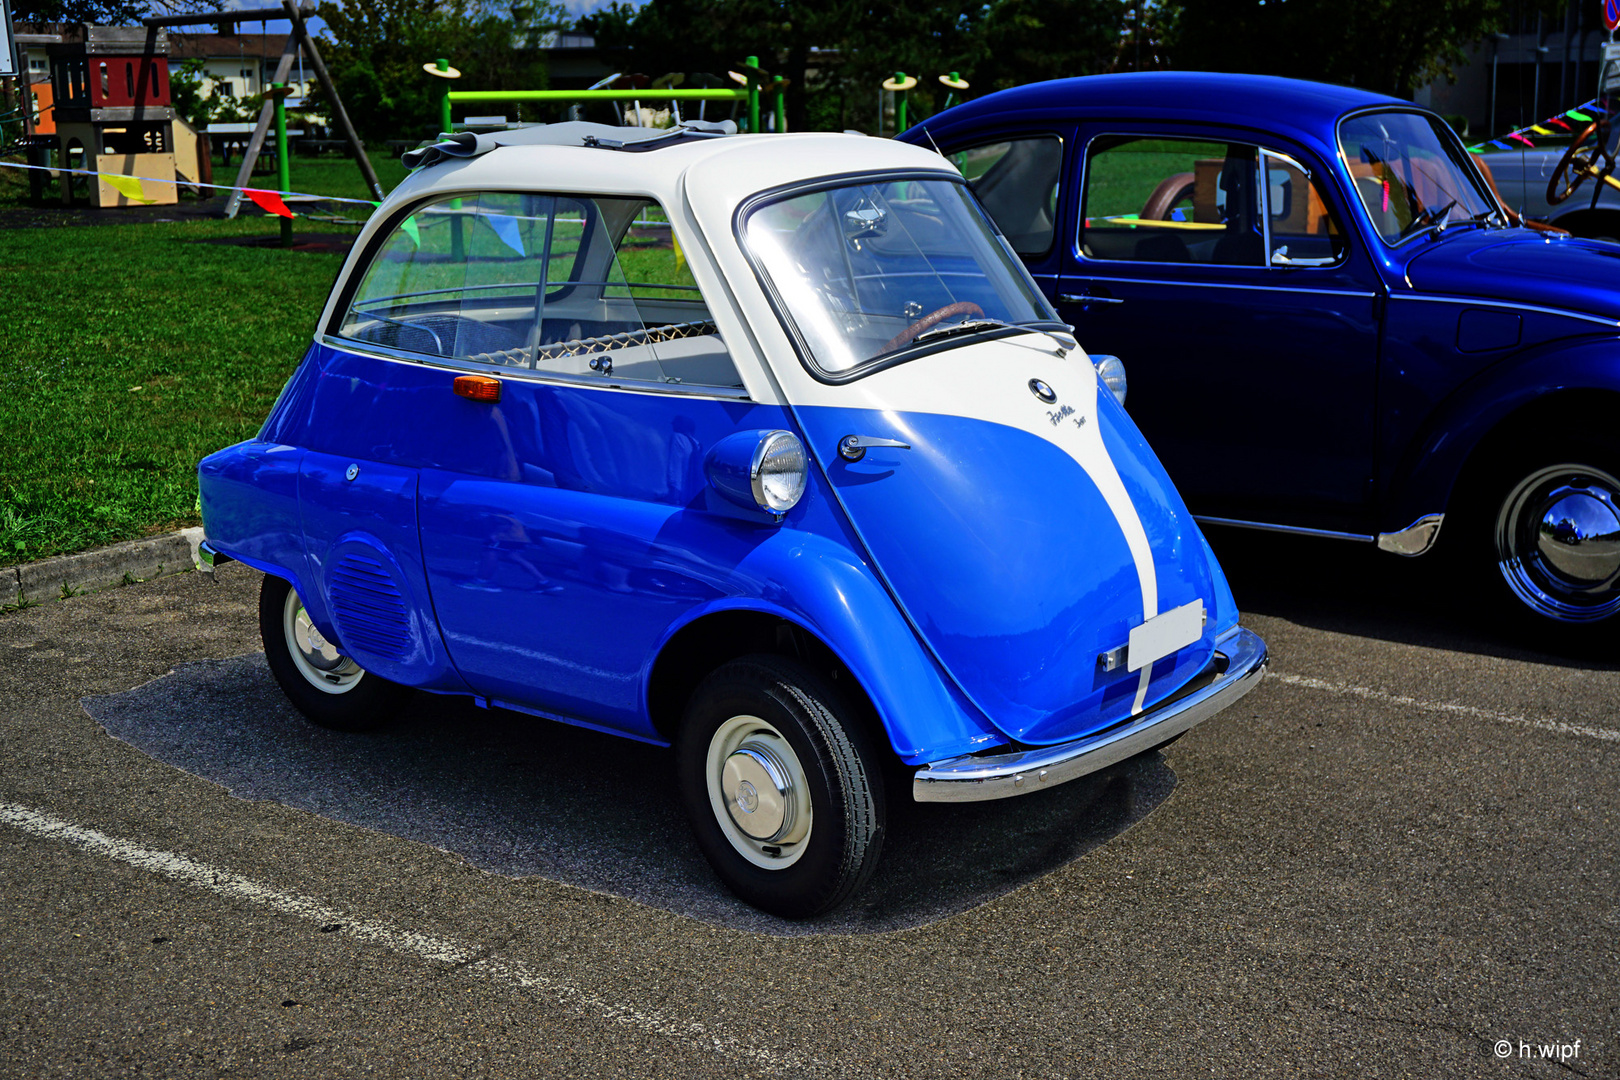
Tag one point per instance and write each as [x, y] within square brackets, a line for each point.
[561, 157]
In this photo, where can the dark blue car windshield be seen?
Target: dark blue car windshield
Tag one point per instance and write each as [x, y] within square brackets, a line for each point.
[866, 269]
[1410, 173]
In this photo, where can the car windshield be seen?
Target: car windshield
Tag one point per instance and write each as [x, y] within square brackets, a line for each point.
[1411, 174]
[867, 270]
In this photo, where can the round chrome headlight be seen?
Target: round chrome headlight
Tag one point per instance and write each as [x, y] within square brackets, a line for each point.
[778, 471]
[1111, 370]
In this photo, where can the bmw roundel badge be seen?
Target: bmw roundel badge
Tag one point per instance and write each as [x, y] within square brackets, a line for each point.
[1042, 391]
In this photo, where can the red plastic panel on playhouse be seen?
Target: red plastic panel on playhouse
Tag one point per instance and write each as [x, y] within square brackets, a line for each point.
[125, 81]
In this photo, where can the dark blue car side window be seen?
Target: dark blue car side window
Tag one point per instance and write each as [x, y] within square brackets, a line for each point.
[1017, 181]
[1172, 201]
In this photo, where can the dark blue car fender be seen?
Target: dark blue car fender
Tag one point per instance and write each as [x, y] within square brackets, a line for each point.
[1426, 477]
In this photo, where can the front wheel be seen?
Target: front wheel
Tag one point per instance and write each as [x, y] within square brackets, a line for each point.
[329, 688]
[1555, 539]
[783, 790]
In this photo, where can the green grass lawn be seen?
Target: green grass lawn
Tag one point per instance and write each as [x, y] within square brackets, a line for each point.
[127, 353]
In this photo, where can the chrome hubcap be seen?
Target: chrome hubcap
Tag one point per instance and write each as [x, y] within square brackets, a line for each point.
[317, 659]
[1558, 542]
[758, 791]
[318, 652]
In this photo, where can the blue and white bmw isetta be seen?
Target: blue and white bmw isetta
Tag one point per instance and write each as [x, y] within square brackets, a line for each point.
[763, 447]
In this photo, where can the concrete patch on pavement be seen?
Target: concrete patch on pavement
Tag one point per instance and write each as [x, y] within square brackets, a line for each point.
[519, 796]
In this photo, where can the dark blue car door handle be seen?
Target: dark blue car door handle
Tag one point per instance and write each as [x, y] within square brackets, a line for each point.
[1086, 301]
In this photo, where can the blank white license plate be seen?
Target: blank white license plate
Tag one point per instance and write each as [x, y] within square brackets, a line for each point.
[1164, 634]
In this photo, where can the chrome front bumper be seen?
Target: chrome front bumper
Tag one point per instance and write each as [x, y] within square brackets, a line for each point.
[981, 777]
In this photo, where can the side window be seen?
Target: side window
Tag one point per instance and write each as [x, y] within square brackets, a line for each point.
[1304, 231]
[1017, 181]
[554, 284]
[1172, 201]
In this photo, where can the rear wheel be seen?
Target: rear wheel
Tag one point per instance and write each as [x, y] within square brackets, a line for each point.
[783, 790]
[329, 688]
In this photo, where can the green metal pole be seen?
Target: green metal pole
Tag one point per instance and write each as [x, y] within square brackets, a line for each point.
[900, 77]
[467, 97]
[781, 104]
[444, 96]
[753, 97]
[283, 166]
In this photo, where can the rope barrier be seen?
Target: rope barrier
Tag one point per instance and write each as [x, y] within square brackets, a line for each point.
[265, 198]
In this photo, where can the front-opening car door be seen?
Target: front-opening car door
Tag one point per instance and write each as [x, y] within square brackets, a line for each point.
[1010, 506]
[1220, 271]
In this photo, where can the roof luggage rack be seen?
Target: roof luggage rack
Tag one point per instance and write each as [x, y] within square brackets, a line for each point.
[468, 144]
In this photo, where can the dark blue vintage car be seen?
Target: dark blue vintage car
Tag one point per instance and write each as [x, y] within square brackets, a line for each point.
[1330, 325]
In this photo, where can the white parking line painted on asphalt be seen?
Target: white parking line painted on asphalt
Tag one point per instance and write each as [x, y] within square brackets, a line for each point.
[423, 946]
[1558, 726]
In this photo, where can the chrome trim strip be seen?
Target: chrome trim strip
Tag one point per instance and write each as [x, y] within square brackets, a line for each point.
[594, 382]
[1471, 302]
[1415, 539]
[1226, 285]
[1296, 530]
[997, 776]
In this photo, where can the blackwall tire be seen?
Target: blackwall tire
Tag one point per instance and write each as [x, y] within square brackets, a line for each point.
[330, 689]
[783, 789]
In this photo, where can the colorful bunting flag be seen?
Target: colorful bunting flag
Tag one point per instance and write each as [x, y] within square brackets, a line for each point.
[408, 226]
[507, 229]
[268, 201]
[127, 186]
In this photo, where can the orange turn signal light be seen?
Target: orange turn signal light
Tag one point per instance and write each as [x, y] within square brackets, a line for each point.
[478, 388]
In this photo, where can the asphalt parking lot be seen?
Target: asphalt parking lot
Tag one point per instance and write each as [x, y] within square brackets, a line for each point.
[1397, 857]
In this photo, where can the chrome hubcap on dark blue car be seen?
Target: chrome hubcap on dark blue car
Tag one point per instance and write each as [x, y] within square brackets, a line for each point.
[1558, 542]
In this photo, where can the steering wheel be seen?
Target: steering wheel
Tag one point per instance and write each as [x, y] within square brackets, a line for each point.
[932, 319]
[1581, 161]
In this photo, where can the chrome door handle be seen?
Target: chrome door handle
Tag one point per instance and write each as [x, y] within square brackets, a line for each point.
[1086, 301]
[853, 447]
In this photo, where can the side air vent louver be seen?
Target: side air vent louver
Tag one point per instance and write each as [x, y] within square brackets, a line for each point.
[369, 609]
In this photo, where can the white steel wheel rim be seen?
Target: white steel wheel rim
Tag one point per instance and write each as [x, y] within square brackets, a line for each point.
[316, 659]
[759, 792]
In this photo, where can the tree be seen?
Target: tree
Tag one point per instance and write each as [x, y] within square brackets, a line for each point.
[838, 52]
[376, 48]
[69, 12]
[1028, 41]
[1389, 46]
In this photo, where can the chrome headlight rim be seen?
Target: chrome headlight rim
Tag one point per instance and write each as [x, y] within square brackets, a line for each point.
[775, 446]
[1111, 372]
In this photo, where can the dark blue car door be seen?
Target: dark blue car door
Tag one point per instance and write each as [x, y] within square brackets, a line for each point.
[1217, 265]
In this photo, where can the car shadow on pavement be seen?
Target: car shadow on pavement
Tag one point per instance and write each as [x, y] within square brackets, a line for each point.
[519, 796]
